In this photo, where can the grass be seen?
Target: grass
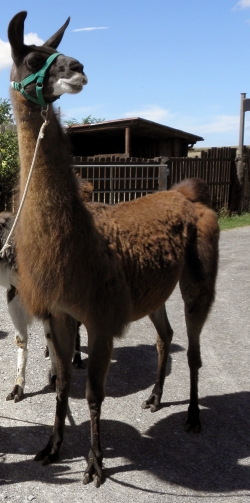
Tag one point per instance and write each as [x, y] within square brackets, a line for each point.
[226, 222]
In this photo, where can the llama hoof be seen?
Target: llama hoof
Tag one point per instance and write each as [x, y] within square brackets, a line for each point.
[95, 478]
[16, 394]
[193, 421]
[93, 471]
[46, 456]
[46, 459]
[196, 428]
[153, 403]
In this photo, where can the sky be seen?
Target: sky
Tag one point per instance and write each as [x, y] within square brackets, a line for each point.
[181, 63]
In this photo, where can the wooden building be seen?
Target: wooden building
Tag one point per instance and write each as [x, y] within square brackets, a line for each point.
[133, 137]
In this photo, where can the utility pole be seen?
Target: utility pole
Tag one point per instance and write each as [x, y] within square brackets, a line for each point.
[242, 125]
[240, 162]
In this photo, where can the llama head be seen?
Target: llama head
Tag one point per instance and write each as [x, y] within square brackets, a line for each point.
[62, 74]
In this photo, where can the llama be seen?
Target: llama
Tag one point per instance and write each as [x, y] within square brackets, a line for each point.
[102, 266]
[19, 315]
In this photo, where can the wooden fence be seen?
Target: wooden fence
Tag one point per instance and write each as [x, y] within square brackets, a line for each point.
[118, 179]
[215, 166]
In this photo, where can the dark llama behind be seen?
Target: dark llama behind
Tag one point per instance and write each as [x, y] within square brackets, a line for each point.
[102, 266]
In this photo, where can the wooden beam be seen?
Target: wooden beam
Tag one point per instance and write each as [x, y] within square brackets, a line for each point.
[127, 141]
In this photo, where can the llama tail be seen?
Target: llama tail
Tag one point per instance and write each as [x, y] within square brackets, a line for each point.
[195, 190]
[200, 269]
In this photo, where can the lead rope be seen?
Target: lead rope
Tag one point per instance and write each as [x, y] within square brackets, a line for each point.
[44, 114]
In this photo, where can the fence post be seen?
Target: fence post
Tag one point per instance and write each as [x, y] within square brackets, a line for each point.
[163, 173]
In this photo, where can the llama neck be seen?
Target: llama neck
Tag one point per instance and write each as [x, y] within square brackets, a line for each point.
[54, 224]
[53, 153]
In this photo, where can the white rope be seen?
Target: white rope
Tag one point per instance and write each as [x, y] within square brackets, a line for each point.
[39, 138]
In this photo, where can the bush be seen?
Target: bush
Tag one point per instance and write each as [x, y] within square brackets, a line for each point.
[9, 161]
[9, 167]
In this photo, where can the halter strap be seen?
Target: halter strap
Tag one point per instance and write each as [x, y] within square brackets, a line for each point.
[39, 78]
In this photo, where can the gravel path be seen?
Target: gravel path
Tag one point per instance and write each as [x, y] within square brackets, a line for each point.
[147, 457]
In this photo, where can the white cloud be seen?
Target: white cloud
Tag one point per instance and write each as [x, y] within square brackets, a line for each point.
[242, 4]
[32, 38]
[92, 28]
[80, 112]
[5, 54]
[214, 124]
[219, 124]
[152, 113]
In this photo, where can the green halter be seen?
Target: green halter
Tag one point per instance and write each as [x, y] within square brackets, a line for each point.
[39, 78]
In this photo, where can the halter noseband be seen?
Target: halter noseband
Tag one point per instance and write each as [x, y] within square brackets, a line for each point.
[39, 78]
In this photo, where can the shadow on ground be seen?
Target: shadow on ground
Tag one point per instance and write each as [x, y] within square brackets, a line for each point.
[132, 369]
[212, 461]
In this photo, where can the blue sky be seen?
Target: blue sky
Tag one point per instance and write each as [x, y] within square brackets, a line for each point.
[182, 63]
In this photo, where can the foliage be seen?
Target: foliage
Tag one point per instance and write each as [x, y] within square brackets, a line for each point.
[9, 163]
[6, 116]
[87, 120]
[227, 222]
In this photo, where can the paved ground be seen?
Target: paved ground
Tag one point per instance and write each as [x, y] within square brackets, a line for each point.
[148, 457]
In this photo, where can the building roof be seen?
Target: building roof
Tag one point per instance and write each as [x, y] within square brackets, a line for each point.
[139, 126]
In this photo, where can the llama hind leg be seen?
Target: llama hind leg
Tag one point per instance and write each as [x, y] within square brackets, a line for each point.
[100, 350]
[163, 341]
[20, 320]
[63, 331]
[196, 310]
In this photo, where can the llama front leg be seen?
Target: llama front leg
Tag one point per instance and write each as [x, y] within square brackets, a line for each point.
[100, 350]
[63, 331]
[20, 320]
[163, 341]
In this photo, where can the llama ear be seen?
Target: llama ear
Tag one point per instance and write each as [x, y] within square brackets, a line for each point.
[16, 32]
[55, 40]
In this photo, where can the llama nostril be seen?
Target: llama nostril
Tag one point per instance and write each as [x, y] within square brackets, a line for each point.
[75, 66]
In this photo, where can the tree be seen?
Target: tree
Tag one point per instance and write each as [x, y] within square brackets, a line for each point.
[6, 116]
[87, 120]
[9, 162]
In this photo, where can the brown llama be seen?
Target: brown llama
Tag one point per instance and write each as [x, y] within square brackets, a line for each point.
[103, 266]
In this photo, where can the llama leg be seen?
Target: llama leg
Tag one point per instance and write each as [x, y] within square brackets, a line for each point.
[100, 351]
[51, 351]
[63, 331]
[77, 361]
[163, 341]
[197, 284]
[20, 320]
[196, 310]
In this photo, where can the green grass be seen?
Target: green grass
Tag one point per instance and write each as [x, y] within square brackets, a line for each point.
[226, 222]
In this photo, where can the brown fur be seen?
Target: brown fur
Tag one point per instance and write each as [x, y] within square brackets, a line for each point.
[107, 266]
